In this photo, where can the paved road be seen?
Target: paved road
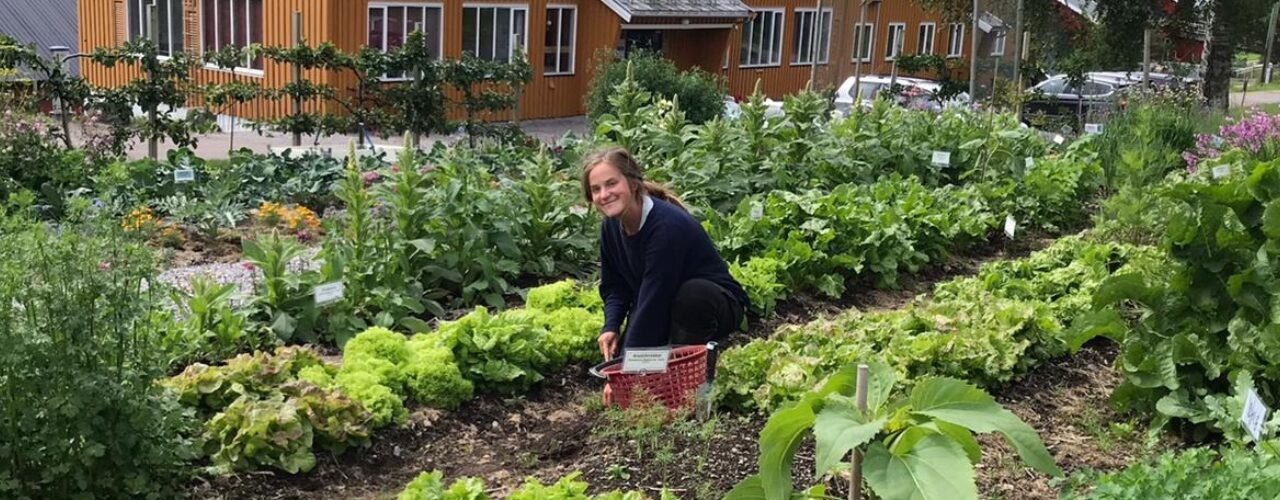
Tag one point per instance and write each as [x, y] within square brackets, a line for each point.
[1255, 98]
[217, 145]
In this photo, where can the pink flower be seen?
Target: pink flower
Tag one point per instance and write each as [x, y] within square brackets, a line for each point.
[370, 178]
[303, 236]
[248, 266]
[395, 169]
[104, 266]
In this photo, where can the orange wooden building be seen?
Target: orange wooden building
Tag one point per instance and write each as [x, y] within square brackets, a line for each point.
[766, 40]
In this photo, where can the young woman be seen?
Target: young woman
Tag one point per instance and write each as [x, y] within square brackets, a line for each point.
[658, 268]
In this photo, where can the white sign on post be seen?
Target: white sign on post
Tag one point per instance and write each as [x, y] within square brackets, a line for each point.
[1059, 139]
[1255, 414]
[1031, 163]
[942, 158]
[1093, 128]
[1010, 226]
[328, 293]
[184, 175]
[1221, 171]
[757, 211]
[645, 359]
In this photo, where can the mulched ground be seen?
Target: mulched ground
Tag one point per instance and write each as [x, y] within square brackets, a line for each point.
[559, 428]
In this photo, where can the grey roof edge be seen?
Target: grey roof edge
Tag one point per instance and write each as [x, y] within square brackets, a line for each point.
[627, 9]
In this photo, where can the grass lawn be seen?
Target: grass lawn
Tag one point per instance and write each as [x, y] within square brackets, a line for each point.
[1255, 86]
[1269, 108]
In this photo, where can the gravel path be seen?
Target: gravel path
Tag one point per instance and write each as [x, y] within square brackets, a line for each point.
[242, 274]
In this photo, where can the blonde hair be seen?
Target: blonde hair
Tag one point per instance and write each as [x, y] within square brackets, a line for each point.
[626, 164]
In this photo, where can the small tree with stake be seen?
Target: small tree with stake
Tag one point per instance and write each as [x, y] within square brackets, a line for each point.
[325, 56]
[56, 84]
[418, 106]
[221, 96]
[481, 84]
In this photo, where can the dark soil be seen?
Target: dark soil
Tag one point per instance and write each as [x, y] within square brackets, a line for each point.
[559, 428]
[196, 249]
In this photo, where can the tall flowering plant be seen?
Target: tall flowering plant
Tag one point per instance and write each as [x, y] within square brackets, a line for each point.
[1257, 134]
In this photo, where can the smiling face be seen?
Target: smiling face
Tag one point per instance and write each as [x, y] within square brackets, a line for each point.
[611, 192]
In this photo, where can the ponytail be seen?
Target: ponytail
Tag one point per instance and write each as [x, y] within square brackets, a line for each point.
[663, 193]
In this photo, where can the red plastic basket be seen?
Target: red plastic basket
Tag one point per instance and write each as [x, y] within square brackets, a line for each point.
[686, 370]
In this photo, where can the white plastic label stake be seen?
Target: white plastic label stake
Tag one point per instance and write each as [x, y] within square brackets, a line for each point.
[1059, 139]
[328, 293]
[757, 211]
[1031, 163]
[1221, 171]
[1010, 226]
[1255, 414]
[645, 359]
[1093, 128]
[942, 158]
[184, 175]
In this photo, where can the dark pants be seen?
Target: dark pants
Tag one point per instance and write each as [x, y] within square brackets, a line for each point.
[703, 311]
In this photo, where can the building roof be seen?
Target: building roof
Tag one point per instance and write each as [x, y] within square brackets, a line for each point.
[1086, 8]
[627, 9]
[43, 23]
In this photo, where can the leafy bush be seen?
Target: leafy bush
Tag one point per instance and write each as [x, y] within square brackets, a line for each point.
[432, 375]
[80, 415]
[1198, 473]
[497, 352]
[701, 95]
[431, 486]
[211, 329]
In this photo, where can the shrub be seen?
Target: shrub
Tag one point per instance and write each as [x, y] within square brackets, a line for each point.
[700, 93]
[366, 387]
[1195, 473]
[432, 377]
[79, 414]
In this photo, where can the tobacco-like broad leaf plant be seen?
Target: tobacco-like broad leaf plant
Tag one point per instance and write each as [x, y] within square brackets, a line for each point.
[916, 447]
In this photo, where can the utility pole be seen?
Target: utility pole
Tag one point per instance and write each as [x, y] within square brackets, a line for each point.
[1271, 38]
[973, 55]
[1019, 43]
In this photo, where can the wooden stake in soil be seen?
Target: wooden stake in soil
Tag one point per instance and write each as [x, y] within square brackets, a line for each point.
[855, 476]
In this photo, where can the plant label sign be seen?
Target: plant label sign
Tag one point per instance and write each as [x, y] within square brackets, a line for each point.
[1221, 171]
[1093, 128]
[184, 175]
[1059, 139]
[328, 293]
[1010, 226]
[645, 359]
[1255, 414]
[1031, 163]
[942, 158]
[757, 211]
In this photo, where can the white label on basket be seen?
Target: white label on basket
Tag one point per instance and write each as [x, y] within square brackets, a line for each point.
[328, 293]
[1255, 414]
[184, 175]
[757, 211]
[645, 359]
[1010, 226]
[1221, 171]
[1031, 163]
[1093, 128]
[1059, 139]
[942, 158]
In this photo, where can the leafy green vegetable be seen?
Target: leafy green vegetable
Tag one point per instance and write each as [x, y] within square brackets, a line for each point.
[1198, 473]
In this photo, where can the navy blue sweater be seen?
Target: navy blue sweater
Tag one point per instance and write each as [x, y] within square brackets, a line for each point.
[640, 274]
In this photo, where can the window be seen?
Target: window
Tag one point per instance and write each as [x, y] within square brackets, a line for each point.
[863, 39]
[232, 22]
[925, 43]
[391, 24]
[802, 48]
[168, 39]
[955, 43]
[562, 28]
[893, 44]
[762, 39]
[493, 33]
[997, 45]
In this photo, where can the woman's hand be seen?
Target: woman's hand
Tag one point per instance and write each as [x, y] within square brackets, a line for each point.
[608, 344]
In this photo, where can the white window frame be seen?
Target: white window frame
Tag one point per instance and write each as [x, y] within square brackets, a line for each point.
[243, 70]
[405, 29]
[955, 40]
[824, 49]
[895, 41]
[773, 51]
[163, 8]
[923, 42]
[870, 47]
[522, 44]
[997, 44]
[573, 39]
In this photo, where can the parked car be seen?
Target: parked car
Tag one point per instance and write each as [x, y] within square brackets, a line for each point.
[1057, 100]
[733, 109]
[911, 92]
